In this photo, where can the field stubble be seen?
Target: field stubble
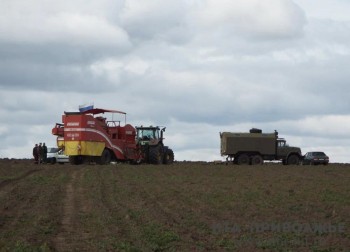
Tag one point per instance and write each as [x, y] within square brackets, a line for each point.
[181, 207]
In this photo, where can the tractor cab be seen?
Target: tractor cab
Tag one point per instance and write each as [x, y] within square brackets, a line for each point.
[149, 135]
[150, 141]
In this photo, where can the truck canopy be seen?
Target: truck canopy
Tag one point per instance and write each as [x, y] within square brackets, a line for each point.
[263, 143]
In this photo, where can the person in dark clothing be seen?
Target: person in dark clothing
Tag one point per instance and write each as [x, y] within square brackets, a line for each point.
[36, 154]
[40, 153]
[44, 151]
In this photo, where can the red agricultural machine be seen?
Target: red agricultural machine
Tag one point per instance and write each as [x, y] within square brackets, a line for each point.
[89, 137]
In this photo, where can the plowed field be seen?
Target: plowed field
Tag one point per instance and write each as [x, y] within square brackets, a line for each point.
[180, 207]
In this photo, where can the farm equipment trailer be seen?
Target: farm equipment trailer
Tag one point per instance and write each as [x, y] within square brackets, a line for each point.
[88, 137]
[254, 147]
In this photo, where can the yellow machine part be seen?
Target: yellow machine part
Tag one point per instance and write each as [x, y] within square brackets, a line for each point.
[60, 143]
[84, 148]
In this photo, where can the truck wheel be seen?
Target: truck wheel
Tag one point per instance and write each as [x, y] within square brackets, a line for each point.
[155, 156]
[168, 157]
[257, 160]
[243, 159]
[293, 160]
[105, 157]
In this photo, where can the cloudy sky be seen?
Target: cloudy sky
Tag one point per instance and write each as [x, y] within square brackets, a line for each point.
[199, 67]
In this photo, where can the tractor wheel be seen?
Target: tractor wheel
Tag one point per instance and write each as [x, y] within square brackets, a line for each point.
[257, 160]
[243, 159]
[155, 155]
[168, 157]
[76, 160]
[105, 157]
[293, 160]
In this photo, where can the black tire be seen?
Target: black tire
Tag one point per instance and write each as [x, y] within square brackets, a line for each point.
[76, 160]
[293, 160]
[257, 160]
[53, 161]
[155, 155]
[243, 159]
[105, 157]
[168, 157]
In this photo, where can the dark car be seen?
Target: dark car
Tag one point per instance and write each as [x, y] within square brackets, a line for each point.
[315, 158]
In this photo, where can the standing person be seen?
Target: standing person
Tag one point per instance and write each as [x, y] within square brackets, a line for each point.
[44, 153]
[40, 153]
[36, 153]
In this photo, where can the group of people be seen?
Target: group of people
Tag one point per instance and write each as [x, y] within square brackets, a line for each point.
[40, 153]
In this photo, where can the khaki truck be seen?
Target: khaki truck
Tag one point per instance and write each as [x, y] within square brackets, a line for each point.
[254, 147]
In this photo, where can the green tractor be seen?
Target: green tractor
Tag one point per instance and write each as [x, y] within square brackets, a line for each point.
[150, 142]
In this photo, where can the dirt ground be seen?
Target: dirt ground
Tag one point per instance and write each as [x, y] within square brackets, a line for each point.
[180, 207]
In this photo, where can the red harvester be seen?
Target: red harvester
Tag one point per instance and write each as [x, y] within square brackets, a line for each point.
[88, 136]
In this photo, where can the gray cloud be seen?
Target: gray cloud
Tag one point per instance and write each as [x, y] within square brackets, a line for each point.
[273, 19]
[198, 67]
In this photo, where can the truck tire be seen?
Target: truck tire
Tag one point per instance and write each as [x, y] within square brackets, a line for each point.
[293, 160]
[168, 157]
[243, 159]
[105, 157]
[155, 155]
[257, 160]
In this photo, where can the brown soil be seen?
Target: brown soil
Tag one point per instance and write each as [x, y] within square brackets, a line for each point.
[180, 207]
[75, 203]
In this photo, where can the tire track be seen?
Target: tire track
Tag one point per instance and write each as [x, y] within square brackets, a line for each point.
[72, 236]
[12, 180]
[12, 210]
[60, 241]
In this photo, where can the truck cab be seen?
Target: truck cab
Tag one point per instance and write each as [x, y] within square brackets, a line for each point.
[288, 154]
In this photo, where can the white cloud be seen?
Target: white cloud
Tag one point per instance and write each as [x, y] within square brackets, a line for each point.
[74, 29]
[155, 20]
[326, 9]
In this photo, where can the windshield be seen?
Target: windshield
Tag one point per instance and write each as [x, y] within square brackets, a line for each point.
[318, 154]
[52, 150]
[147, 134]
[281, 143]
